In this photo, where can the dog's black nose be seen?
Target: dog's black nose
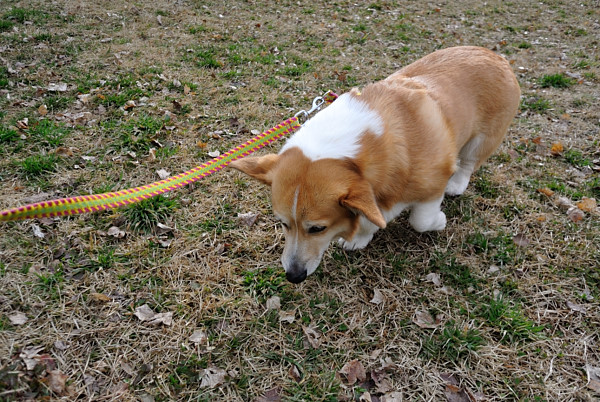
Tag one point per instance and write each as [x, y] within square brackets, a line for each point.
[295, 277]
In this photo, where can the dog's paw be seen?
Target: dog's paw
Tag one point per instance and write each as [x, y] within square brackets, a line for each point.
[357, 243]
[457, 184]
[435, 222]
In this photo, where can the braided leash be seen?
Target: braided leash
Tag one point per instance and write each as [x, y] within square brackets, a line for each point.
[101, 202]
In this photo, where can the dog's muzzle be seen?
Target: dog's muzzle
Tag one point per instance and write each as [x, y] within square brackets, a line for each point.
[296, 276]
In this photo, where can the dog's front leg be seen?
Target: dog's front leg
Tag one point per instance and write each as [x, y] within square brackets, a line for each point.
[426, 216]
[362, 237]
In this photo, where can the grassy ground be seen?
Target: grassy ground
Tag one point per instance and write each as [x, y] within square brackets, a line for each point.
[100, 95]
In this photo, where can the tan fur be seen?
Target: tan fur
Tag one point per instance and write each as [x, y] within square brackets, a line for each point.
[430, 110]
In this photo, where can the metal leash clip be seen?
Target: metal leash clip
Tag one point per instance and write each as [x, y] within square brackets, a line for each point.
[316, 105]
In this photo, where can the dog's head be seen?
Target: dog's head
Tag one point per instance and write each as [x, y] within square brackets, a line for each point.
[317, 201]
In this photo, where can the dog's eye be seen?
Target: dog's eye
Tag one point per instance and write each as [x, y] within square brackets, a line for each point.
[316, 229]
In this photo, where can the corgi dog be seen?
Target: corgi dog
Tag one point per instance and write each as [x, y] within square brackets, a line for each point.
[400, 143]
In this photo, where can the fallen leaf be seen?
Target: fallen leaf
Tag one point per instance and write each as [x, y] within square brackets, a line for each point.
[37, 231]
[214, 154]
[294, 373]
[57, 381]
[546, 191]
[59, 87]
[199, 336]
[434, 278]
[564, 203]
[286, 316]
[587, 204]
[30, 356]
[130, 104]
[557, 148]
[176, 105]
[163, 174]
[365, 397]
[378, 297]
[43, 110]
[272, 395]
[162, 318]
[61, 345]
[424, 320]
[248, 218]
[353, 371]
[576, 307]
[17, 318]
[100, 297]
[575, 214]
[116, 232]
[144, 313]
[212, 377]
[23, 124]
[186, 89]
[312, 336]
[393, 397]
[274, 303]
[454, 393]
[521, 240]
[64, 151]
[593, 378]
[201, 144]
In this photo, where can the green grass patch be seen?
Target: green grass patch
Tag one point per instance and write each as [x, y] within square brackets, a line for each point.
[511, 325]
[453, 343]
[48, 133]
[486, 187]
[138, 133]
[264, 283]
[36, 165]
[20, 15]
[576, 158]
[8, 134]
[538, 105]
[146, 214]
[556, 81]
[3, 73]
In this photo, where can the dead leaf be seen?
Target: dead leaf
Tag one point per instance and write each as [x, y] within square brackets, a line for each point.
[100, 297]
[176, 105]
[576, 307]
[212, 377]
[116, 232]
[186, 89]
[272, 395]
[564, 203]
[23, 124]
[57, 381]
[58, 87]
[587, 204]
[61, 345]
[30, 356]
[353, 371]
[365, 397]
[162, 318]
[593, 378]
[434, 278]
[144, 313]
[214, 154]
[199, 336]
[312, 336]
[201, 144]
[163, 174]
[424, 320]
[286, 316]
[274, 303]
[378, 297]
[393, 397]
[521, 240]
[575, 214]
[294, 374]
[546, 191]
[43, 110]
[557, 149]
[64, 151]
[130, 104]
[249, 218]
[17, 318]
[454, 393]
[37, 231]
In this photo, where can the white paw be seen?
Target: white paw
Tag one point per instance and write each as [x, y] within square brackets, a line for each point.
[357, 243]
[429, 223]
[457, 184]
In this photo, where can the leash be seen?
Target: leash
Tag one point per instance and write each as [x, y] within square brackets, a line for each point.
[113, 200]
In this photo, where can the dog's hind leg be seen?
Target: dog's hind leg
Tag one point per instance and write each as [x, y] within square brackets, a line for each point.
[468, 160]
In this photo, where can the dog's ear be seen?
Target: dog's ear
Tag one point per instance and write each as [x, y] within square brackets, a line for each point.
[259, 167]
[360, 199]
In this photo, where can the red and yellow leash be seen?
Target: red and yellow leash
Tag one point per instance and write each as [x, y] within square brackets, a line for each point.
[100, 202]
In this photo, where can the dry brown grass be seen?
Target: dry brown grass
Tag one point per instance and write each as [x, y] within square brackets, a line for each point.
[257, 62]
